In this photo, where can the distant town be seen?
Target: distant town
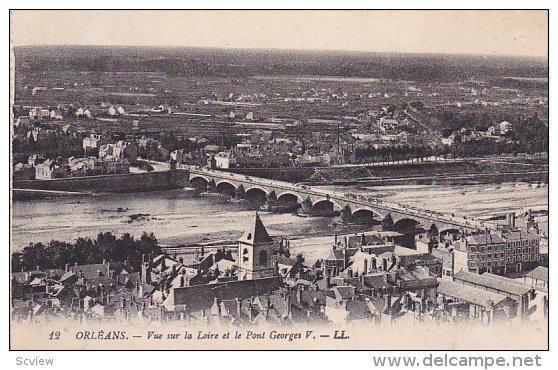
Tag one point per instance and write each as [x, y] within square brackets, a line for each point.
[308, 146]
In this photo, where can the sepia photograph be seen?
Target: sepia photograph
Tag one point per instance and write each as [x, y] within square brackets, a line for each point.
[279, 180]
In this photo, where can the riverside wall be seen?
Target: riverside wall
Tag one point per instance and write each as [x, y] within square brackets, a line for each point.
[132, 182]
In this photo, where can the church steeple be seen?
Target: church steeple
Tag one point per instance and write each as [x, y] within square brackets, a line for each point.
[256, 233]
[255, 251]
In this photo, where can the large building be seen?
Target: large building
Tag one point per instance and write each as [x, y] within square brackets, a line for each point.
[501, 252]
[480, 253]
[522, 249]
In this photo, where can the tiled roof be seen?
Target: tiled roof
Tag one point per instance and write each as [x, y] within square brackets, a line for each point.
[357, 309]
[490, 281]
[335, 255]
[256, 234]
[344, 292]
[468, 294]
[484, 239]
[540, 273]
[91, 271]
[519, 234]
[200, 297]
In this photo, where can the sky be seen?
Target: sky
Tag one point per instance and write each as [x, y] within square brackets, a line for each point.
[522, 33]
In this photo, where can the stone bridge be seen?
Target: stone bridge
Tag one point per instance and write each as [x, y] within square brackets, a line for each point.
[280, 195]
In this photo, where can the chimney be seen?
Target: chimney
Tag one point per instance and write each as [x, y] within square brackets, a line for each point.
[374, 267]
[238, 306]
[216, 303]
[365, 270]
[250, 313]
[423, 301]
[67, 267]
[181, 260]
[384, 264]
[335, 243]
[387, 307]
[288, 304]
[363, 239]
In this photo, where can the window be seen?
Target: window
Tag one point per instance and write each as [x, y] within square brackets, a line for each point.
[245, 256]
[263, 258]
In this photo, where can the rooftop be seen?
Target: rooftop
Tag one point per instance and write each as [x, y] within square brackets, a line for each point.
[539, 273]
[492, 281]
[256, 234]
[468, 294]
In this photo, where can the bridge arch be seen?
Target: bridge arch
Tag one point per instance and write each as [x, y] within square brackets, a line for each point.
[406, 226]
[199, 182]
[320, 203]
[289, 196]
[323, 207]
[256, 193]
[225, 181]
[249, 188]
[364, 215]
[226, 187]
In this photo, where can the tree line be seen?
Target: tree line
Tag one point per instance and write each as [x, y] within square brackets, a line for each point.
[56, 254]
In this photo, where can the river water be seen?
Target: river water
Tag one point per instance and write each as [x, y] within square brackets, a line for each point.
[182, 217]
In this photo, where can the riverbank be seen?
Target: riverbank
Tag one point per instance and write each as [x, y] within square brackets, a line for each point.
[121, 183]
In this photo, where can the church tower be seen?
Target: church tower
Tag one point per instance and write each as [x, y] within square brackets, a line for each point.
[255, 252]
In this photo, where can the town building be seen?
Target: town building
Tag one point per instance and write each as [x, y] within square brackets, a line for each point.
[92, 143]
[484, 252]
[255, 251]
[49, 170]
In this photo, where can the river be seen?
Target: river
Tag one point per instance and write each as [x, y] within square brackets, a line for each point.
[182, 217]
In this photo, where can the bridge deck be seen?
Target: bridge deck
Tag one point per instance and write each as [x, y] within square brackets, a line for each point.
[460, 222]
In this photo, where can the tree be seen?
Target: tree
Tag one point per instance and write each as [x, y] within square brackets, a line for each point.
[387, 223]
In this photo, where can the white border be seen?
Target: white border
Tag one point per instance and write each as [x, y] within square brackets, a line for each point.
[239, 360]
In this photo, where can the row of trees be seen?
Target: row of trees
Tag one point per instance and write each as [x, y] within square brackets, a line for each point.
[56, 254]
[393, 153]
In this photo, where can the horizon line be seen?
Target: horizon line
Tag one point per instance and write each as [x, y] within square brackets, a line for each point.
[437, 53]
